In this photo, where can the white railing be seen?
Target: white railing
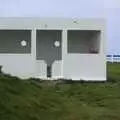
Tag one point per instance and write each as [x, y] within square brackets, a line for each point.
[113, 58]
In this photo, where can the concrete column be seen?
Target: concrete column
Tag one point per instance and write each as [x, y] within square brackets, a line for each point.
[33, 43]
[33, 51]
[64, 48]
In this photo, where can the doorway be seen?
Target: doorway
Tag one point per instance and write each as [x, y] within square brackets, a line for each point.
[48, 50]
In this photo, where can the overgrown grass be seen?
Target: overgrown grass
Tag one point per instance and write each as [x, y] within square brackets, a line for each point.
[33, 100]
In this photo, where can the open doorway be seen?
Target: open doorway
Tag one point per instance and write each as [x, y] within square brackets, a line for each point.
[48, 49]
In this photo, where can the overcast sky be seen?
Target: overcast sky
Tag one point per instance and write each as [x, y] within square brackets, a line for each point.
[109, 9]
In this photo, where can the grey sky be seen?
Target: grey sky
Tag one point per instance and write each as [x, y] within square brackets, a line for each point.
[109, 9]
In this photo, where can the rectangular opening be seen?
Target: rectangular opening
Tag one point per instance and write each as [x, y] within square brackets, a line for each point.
[49, 71]
[49, 51]
[45, 46]
[15, 41]
[84, 41]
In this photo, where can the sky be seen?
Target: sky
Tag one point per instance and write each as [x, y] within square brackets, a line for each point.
[108, 9]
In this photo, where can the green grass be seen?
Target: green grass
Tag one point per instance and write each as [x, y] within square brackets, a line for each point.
[32, 100]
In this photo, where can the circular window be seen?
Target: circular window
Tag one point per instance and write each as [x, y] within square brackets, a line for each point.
[23, 43]
[57, 43]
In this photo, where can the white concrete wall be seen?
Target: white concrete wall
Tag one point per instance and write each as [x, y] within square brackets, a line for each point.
[41, 69]
[14, 58]
[51, 23]
[82, 66]
[85, 66]
[21, 65]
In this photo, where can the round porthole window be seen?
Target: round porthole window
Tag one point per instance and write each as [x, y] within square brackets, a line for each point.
[23, 43]
[57, 43]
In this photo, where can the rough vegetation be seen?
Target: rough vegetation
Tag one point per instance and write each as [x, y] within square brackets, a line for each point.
[37, 100]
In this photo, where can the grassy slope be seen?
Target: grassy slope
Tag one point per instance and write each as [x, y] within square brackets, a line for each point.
[25, 100]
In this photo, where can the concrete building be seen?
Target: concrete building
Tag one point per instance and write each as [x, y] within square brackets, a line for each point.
[53, 48]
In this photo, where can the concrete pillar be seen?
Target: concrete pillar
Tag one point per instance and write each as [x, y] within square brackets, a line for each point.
[33, 43]
[64, 48]
[33, 51]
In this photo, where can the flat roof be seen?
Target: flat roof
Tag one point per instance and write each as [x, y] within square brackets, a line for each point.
[49, 22]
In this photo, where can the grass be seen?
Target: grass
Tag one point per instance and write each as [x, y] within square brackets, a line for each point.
[33, 100]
